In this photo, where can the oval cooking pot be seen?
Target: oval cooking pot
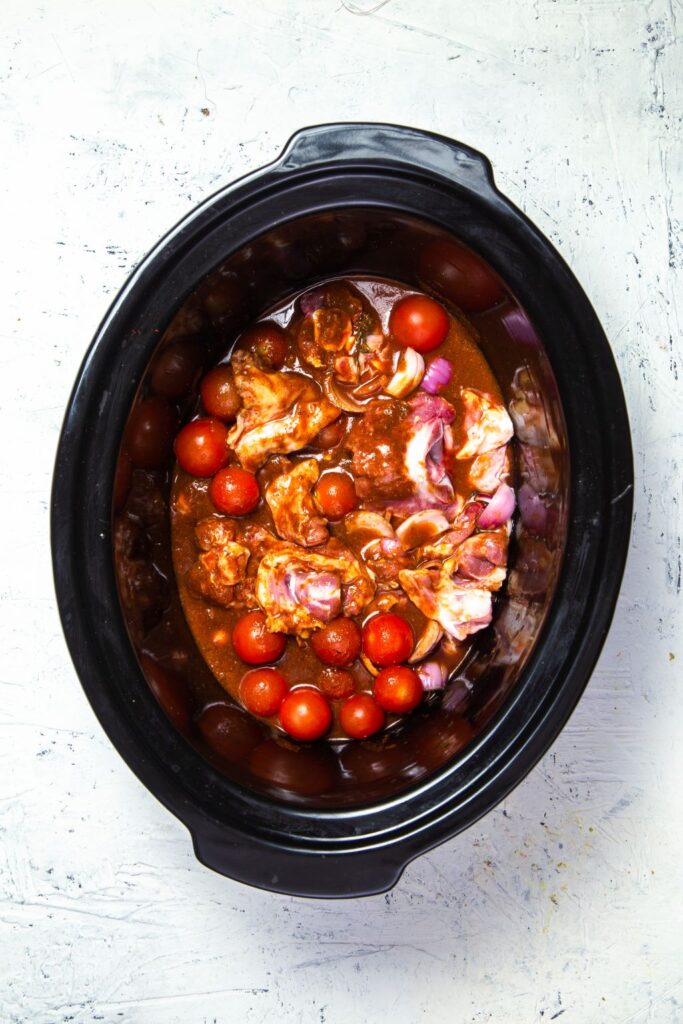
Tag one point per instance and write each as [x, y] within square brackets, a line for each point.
[389, 201]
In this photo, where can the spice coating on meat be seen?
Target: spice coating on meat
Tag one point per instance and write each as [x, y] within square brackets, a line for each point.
[280, 412]
[399, 451]
[299, 591]
[295, 514]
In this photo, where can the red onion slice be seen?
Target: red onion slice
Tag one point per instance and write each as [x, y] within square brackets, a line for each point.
[438, 375]
[433, 675]
[499, 509]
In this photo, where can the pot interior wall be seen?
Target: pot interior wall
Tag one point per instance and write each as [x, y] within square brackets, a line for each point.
[274, 266]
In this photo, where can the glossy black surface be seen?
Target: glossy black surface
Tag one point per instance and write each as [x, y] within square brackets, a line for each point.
[391, 190]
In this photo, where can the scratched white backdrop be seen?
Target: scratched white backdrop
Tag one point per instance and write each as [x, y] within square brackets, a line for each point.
[566, 902]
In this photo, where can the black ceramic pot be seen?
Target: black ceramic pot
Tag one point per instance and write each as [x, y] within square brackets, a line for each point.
[325, 820]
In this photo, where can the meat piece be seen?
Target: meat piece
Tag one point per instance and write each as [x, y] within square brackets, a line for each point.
[299, 591]
[486, 423]
[223, 562]
[482, 558]
[399, 453]
[459, 610]
[377, 441]
[280, 412]
[291, 503]
[489, 469]
[325, 332]
[462, 526]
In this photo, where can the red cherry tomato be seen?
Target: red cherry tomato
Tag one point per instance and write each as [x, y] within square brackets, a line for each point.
[336, 495]
[337, 643]
[170, 689]
[336, 683]
[254, 643]
[305, 714]
[398, 689]
[461, 276]
[360, 716]
[262, 691]
[419, 322]
[228, 731]
[234, 491]
[269, 342]
[387, 639]
[201, 447]
[149, 433]
[219, 395]
[174, 369]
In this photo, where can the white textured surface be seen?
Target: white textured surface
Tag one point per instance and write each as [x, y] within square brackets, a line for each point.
[567, 901]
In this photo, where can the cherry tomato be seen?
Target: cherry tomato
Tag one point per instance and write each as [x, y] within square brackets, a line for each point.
[398, 689]
[149, 433]
[461, 276]
[336, 683]
[269, 342]
[174, 369]
[122, 480]
[337, 643]
[228, 731]
[387, 639]
[331, 435]
[305, 714]
[262, 691]
[219, 395]
[419, 322]
[254, 643]
[170, 689]
[360, 716]
[201, 447]
[234, 491]
[336, 495]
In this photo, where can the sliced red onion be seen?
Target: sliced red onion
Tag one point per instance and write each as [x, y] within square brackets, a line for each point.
[311, 301]
[532, 510]
[499, 509]
[433, 675]
[518, 326]
[438, 375]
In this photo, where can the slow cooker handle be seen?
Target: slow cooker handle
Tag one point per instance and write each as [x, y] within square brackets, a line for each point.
[389, 144]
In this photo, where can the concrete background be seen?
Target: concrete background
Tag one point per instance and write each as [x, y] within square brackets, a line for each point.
[566, 901]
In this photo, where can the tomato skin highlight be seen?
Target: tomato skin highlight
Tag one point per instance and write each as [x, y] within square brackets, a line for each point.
[361, 716]
[254, 643]
[234, 491]
[201, 447]
[387, 639]
[398, 689]
[219, 395]
[419, 322]
[305, 714]
[336, 495]
[338, 643]
[262, 691]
